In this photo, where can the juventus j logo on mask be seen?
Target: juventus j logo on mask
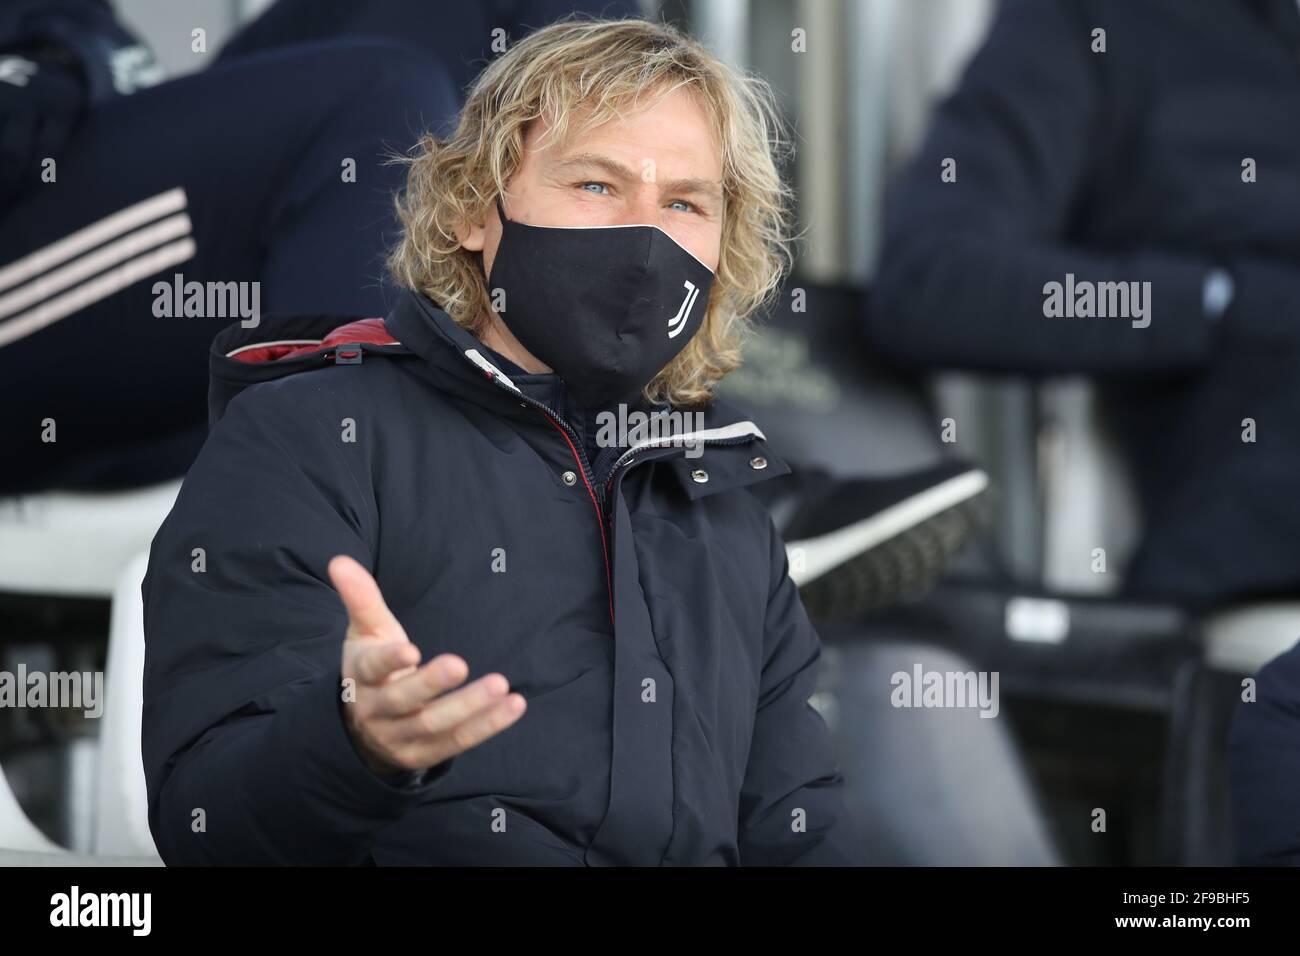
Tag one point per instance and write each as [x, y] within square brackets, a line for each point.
[607, 307]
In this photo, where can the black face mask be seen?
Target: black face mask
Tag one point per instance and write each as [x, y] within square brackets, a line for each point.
[606, 307]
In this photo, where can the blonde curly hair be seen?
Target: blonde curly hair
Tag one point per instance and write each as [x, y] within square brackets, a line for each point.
[577, 74]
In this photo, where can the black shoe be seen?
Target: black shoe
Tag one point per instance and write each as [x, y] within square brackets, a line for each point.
[857, 546]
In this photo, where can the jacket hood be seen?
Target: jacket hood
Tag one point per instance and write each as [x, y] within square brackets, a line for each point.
[284, 345]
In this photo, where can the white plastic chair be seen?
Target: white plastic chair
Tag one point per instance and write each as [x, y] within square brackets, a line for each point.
[17, 832]
[76, 544]
[90, 545]
[122, 803]
[22, 844]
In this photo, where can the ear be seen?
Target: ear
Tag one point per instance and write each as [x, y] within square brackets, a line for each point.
[472, 234]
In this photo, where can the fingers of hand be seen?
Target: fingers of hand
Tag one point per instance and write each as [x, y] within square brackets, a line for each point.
[449, 726]
[408, 691]
[372, 663]
[368, 614]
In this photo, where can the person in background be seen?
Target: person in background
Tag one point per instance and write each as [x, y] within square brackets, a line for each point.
[271, 169]
[1143, 155]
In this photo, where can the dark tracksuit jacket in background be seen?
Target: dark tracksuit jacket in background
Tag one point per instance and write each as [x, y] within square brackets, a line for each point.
[646, 615]
[1124, 166]
[1127, 166]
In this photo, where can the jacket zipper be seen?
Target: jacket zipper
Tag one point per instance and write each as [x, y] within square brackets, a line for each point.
[626, 460]
[583, 469]
[600, 513]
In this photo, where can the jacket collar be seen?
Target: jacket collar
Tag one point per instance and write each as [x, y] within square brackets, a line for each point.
[735, 447]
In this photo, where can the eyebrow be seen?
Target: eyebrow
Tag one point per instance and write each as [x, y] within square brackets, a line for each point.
[693, 184]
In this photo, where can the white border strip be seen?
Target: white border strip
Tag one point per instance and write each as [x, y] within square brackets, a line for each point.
[622, 225]
[734, 430]
[265, 345]
[110, 227]
[101, 287]
[825, 552]
[115, 253]
[474, 356]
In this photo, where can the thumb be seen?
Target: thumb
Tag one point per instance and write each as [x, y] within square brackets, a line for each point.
[368, 615]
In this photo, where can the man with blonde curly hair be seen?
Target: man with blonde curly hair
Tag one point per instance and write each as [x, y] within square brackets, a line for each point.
[582, 252]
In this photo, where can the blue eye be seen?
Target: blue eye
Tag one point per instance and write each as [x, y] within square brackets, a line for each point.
[683, 202]
[600, 186]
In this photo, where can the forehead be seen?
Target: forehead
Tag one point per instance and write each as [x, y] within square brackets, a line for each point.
[673, 130]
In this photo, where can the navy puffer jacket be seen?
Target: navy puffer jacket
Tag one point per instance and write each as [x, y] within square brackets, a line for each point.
[641, 604]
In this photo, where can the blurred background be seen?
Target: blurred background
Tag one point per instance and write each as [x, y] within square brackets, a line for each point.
[1113, 698]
